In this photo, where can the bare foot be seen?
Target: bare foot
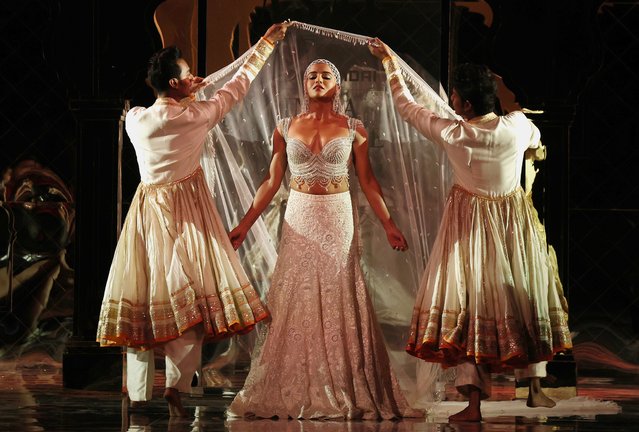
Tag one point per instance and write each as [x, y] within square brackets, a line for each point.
[536, 395]
[539, 400]
[172, 396]
[134, 406]
[468, 414]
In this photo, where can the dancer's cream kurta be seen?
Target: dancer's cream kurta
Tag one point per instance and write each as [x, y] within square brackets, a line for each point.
[489, 293]
[174, 266]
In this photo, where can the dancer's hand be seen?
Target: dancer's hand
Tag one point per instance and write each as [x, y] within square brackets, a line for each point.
[198, 83]
[378, 48]
[237, 236]
[396, 238]
[276, 32]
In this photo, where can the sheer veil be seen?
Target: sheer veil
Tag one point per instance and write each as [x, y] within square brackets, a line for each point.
[413, 173]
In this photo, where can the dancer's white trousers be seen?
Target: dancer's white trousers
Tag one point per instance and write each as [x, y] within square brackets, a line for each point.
[469, 373]
[182, 356]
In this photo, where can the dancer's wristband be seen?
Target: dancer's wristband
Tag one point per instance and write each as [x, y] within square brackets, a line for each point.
[393, 71]
[258, 57]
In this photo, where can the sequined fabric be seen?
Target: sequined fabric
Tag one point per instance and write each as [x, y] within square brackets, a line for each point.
[173, 268]
[329, 166]
[490, 292]
[322, 355]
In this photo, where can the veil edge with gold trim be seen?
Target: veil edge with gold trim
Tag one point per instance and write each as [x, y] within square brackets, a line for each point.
[413, 172]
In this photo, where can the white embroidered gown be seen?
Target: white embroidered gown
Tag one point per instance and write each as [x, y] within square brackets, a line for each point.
[322, 355]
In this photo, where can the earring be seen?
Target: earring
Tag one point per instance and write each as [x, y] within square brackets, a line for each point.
[336, 103]
[305, 103]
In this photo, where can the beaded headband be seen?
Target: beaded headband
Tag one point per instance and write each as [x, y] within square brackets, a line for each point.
[331, 65]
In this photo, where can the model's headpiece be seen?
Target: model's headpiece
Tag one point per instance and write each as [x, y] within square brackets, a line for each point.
[337, 106]
[331, 65]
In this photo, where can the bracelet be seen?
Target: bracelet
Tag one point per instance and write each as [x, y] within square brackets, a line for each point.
[264, 48]
[268, 42]
[390, 66]
[393, 72]
[257, 58]
[395, 77]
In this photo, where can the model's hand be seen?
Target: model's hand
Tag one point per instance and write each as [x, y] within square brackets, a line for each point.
[396, 238]
[277, 32]
[378, 48]
[237, 236]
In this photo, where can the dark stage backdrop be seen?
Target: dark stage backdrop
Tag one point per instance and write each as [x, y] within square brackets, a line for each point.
[68, 67]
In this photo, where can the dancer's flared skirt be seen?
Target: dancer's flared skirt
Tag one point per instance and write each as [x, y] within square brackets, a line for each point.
[174, 267]
[490, 293]
[322, 355]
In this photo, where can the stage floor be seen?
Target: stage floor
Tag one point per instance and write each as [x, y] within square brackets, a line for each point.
[32, 399]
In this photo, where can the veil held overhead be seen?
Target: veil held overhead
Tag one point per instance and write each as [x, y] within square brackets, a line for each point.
[413, 172]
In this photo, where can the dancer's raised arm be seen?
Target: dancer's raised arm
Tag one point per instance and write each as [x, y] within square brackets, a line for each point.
[233, 91]
[420, 117]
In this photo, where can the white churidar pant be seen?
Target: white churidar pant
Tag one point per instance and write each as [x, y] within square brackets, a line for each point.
[468, 373]
[182, 356]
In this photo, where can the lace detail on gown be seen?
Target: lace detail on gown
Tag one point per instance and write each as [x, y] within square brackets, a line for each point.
[323, 354]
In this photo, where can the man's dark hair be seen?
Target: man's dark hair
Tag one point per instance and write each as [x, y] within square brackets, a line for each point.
[162, 67]
[475, 83]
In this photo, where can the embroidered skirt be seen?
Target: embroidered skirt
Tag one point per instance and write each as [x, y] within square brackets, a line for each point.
[490, 293]
[174, 267]
[322, 355]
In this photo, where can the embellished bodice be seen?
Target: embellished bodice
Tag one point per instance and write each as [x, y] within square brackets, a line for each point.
[328, 166]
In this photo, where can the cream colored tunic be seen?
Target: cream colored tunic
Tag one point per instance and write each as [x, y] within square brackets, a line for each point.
[490, 293]
[486, 152]
[174, 266]
[168, 136]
